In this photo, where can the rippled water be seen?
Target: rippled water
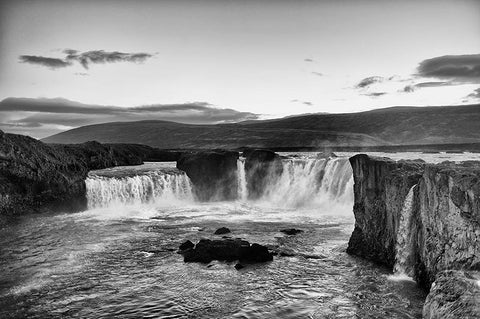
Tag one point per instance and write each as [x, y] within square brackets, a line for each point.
[120, 261]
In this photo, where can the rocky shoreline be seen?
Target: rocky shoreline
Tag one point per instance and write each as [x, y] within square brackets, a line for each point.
[443, 228]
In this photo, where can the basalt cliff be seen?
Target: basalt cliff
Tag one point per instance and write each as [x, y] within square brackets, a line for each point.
[442, 227]
[35, 176]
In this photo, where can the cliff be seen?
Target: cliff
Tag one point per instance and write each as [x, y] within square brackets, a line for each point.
[443, 225]
[213, 173]
[35, 176]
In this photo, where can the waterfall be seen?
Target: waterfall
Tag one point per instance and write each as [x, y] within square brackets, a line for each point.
[403, 247]
[325, 183]
[142, 187]
[241, 180]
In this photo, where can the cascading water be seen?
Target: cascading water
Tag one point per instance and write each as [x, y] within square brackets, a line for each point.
[241, 180]
[307, 183]
[155, 186]
[404, 239]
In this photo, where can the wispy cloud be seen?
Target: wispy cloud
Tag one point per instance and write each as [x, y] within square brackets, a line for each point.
[366, 82]
[308, 60]
[51, 63]
[85, 58]
[317, 73]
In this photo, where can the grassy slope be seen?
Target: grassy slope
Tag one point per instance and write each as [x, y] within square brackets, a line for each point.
[397, 125]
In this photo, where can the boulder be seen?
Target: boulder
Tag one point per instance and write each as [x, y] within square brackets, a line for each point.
[222, 230]
[186, 245]
[207, 250]
[213, 173]
[291, 231]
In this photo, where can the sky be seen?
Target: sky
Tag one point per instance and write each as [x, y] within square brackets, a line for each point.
[66, 63]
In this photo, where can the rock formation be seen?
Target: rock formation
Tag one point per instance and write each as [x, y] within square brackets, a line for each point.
[35, 176]
[260, 167]
[444, 225]
[213, 173]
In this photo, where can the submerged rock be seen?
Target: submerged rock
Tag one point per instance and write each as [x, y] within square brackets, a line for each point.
[239, 266]
[222, 230]
[291, 231]
[207, 250]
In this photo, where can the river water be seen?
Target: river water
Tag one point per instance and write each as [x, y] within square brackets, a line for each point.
[118, 258]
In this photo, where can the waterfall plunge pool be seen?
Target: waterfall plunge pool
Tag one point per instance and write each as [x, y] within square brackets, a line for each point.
[117, 259]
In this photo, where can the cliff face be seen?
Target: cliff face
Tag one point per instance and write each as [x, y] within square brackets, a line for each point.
[380, 188]
[34, 175]
[449, 220]
[213, 173]
[443, 227]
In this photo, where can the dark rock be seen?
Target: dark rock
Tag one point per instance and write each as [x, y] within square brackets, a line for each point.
[326, 155]
[213, 173]
[186, 245]
[381, 186]
[239, 266]
[455, 294]
[207, 250]
[222, 230]
[287, 253]
[291, 231]
[260, 167]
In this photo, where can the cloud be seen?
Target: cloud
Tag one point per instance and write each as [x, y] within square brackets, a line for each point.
[52, 63]
[366, 82]
[413, 87]
[375, 94]
[42, 117]
[308, 60]
[302, 102]
[409, 88]
[464, 68]
[317, 73]
[85, 58]
[474, 95]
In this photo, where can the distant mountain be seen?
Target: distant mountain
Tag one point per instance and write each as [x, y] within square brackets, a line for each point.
[387, 126]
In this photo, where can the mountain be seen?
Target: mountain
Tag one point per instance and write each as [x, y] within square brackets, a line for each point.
[387, 126]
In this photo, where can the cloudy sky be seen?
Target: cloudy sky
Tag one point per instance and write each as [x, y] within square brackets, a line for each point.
[66, 63]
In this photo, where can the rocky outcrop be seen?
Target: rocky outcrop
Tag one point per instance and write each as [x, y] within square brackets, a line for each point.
[35, 176]
[448, 214]
[380, 188]
[213, 173]
[261, 166]
[444, 226]
[455, 294]
[228, 249]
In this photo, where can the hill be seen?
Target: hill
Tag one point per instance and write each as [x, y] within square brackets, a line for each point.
[388, 126]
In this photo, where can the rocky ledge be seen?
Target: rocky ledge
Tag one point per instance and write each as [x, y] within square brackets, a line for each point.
[442, 226]
[35, 176]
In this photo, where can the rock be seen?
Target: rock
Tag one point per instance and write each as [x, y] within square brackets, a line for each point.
[443, 227]
[454, 294]
[222, 230]
[239, 266]
[35, 176]
[213, 173]
[207, 250]
[381, 186]
[291, 231]
[186, 245]
[261, 166]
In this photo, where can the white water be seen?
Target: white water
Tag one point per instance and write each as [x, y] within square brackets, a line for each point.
[403, 247]
[312, 183]
[241, 180]
[156, 187]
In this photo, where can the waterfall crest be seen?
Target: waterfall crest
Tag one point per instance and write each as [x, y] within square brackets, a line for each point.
[146, 187]
[306, 182]
[403, 246]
